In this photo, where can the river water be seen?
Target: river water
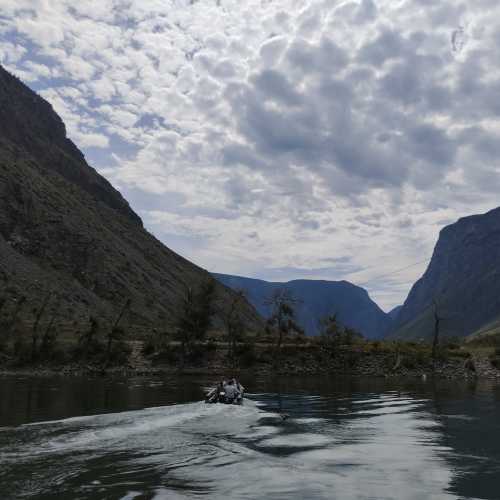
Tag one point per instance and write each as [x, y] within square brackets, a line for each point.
[151, 438]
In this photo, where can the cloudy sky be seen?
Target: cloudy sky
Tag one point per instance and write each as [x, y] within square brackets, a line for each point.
[279, 139]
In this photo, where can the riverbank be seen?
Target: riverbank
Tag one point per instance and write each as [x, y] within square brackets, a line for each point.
[362, 360]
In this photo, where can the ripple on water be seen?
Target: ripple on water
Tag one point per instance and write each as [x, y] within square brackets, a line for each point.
[386, 446]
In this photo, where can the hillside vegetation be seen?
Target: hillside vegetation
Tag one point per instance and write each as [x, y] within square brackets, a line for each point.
[74, 257]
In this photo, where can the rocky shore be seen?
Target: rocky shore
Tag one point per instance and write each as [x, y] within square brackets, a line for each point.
[305, 361]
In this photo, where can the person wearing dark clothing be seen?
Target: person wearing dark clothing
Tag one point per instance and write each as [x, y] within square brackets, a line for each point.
[231, 391]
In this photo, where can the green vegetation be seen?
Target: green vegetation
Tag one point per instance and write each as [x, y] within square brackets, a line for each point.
[211, 333]
[495, 356]
[195, 319]
[333, 334]
[234, 325]
[41, 343]
[116, 333]
[282, 319]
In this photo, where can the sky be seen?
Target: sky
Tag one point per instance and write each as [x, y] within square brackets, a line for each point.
[279, 139]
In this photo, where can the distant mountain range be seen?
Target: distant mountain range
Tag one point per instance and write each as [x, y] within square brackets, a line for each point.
[318, 299]
[67, 235]
[463, 278]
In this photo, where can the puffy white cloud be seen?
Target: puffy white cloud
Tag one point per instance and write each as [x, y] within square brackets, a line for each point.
[290, 134]
[91, 140]
[11, 53]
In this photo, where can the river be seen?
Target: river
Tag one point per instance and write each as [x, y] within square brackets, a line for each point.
[151, 438]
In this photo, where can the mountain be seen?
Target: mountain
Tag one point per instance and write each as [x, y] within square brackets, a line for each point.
[394, 313]
[489, 333]
[316, 300]
[68, 238]
[463, 276]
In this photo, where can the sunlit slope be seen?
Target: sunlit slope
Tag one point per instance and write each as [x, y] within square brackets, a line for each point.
[489, 333]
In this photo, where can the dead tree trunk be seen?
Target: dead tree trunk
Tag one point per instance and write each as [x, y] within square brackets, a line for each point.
[435, 342]
[3, 300]
[47, 338]
[13, 318]
[398, 362]
[281, 326]
[114, 330]
[3, 297]
[38, 317]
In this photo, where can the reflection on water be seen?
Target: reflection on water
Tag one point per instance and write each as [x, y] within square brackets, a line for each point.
[343, 439]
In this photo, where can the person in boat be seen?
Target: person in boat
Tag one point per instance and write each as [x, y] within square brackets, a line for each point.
[240, 388]
[221, 388]
[232, 391]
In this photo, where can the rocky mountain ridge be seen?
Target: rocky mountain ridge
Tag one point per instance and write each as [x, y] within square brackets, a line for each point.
[463, 278]
[70, 244]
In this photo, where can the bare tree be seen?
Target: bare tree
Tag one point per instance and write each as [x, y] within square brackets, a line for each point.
[186, 322]
[12, 320]
[36, 324]
[437, 325]
[196, 316]
[329, 330]
[116, 332]
[233, 322]
[88, 336]
[49, 337]
[282, 304]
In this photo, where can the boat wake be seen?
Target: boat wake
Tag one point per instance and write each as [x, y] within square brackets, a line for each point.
[188, 450]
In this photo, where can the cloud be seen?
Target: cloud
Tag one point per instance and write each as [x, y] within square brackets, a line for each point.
[92, 140]
[278, 134]
[11, 53]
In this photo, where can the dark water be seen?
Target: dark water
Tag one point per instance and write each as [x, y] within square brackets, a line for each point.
[149, 438]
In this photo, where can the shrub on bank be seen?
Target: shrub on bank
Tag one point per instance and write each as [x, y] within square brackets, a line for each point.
[460, 353]
[211, 345]
[246, 355]
[168, 356]
[453, 343]
[21, 351]
[156, 342]
[495, 361]
[118, 354]
[415, 359]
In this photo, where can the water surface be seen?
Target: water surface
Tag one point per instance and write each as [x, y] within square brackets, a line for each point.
[151, 438]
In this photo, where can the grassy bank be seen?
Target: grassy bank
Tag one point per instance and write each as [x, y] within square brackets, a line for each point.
[261, 355]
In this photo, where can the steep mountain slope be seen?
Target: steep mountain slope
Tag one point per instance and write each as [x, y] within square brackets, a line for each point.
[67, 236]
[489, 333]
[318, 299]
[463, 277]
[394, 313]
